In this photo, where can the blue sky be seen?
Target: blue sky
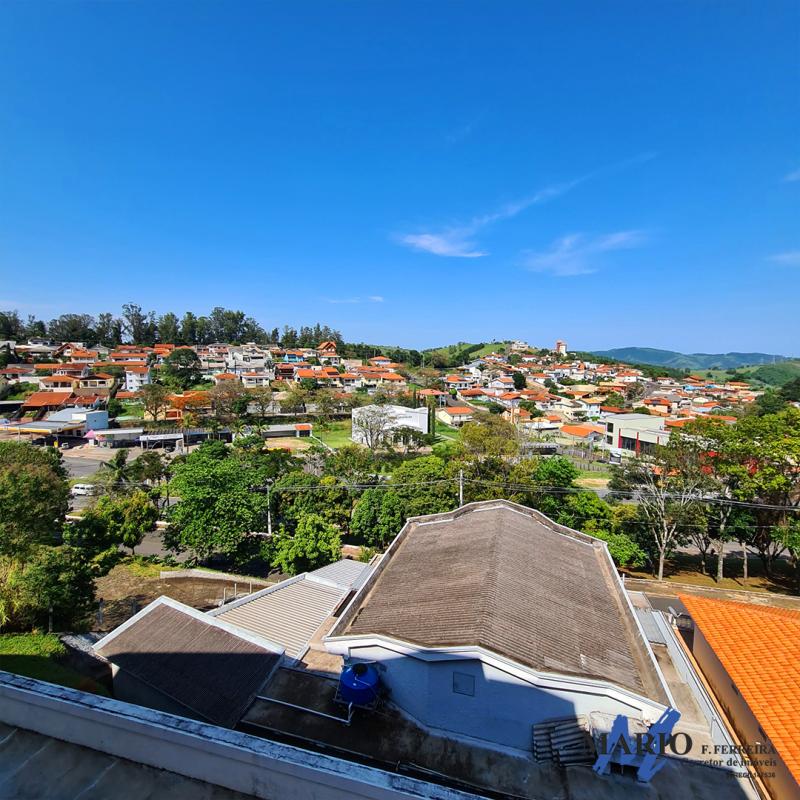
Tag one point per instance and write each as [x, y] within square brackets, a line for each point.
[613, 174]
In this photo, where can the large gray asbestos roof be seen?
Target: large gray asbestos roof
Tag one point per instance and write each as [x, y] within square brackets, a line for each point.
[507, 579]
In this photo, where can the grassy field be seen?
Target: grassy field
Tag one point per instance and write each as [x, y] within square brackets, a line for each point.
[335, 434]
[760, 374]
[446, 431]
[448, 351]
[35, 656]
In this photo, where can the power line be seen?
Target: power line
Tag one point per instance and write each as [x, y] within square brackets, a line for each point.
[518, 487]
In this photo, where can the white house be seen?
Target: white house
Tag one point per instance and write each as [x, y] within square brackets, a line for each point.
[375, 424]
[136, 377]
[485, 648]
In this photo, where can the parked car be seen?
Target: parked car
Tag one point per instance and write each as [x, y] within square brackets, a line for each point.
[83, 490]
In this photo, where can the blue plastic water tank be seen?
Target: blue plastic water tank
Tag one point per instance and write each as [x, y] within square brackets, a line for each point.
[358, 684]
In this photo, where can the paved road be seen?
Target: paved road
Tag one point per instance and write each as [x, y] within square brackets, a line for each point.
[83, 466]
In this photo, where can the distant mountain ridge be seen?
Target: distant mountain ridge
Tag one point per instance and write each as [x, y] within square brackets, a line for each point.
[675, 360]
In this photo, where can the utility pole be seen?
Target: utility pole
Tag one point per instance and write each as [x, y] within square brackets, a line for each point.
[269, 509]
[266, 489]
[461, 487]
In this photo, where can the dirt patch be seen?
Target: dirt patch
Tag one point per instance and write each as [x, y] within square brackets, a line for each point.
[124, 593]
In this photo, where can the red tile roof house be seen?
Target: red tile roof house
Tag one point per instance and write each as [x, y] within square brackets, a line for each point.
[392, 378]
[15, 372]
[455, 415]
[55, 382]
[584, 433]
[457, 382]
[221, 377]
[750, 657]
[47, 401]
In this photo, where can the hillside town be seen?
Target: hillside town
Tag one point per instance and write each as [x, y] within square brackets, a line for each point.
[285, 515]
[545, 394]
[399, 400]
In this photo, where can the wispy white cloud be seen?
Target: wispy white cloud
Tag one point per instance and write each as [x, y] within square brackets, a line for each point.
[790, 258]
[457, 241]
[453, 243]
[340, 301]
[576, 254]
[792, 177]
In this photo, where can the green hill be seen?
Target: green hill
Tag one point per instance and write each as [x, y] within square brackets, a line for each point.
[692, 361]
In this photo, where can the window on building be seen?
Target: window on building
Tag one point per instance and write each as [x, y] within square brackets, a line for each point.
[464, 684]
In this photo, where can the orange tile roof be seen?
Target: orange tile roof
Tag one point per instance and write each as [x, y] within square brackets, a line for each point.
[44, 399]
[759, 647]
[458, 410]
[582, 430]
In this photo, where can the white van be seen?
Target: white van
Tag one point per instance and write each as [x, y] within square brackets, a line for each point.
[83, 489]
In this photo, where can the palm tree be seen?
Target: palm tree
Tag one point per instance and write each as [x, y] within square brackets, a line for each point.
[117, 470]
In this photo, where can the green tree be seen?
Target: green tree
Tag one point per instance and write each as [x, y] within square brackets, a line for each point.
[155, 399]
[181, 368]
[229, 401]
[519, 379]
[117, 471]
[34, 498]
[771, 402]
[424, 486]
[377, 518]
[90, 533]
[488, 436]
[57, 578]
[791, 391]
[623, 549]
[670, 483]
[168, 328]
[313, 544]
[219, 512]
[128, 517]
[615, 400]
[585, 511]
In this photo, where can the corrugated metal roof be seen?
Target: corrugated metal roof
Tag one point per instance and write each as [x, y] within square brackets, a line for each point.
[288, 614]
[345, 572]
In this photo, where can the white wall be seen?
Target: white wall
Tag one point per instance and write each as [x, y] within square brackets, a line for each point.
[502, 710]
[257, 767]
